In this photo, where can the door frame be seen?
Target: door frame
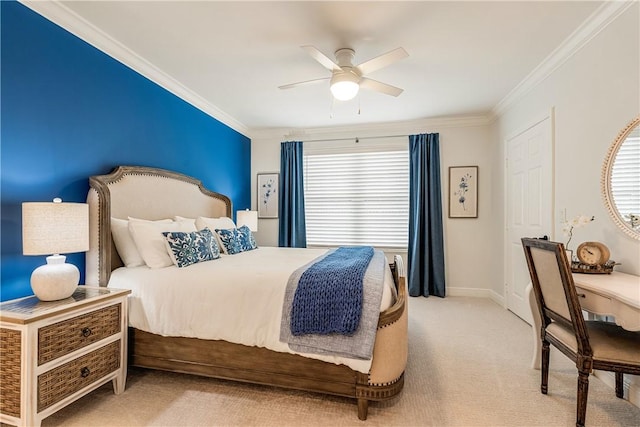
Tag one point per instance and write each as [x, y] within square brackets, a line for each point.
[538, 118]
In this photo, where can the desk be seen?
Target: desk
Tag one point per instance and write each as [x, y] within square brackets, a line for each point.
[616, 294]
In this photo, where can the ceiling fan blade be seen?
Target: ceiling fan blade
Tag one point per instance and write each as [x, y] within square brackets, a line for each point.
[366, 83]
[307, 82]
[321, 58]
[382, 61]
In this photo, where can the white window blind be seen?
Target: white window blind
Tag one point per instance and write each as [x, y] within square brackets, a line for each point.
[625, 176]
[357, 198]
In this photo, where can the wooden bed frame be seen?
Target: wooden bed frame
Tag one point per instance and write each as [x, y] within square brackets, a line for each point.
[151, 193]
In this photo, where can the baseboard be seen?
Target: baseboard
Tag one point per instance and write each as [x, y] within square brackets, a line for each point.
[476, 293]
[497, 298]
[631, 386]
[467, 292]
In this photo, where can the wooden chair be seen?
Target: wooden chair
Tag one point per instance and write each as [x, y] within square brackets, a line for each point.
[590, 344]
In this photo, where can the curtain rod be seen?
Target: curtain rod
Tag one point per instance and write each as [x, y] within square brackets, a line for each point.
[356, 138]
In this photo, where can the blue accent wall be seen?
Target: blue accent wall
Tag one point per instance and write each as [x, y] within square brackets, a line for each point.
[69, 111]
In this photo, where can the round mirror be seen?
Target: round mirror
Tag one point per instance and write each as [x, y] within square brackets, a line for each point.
[621, 179]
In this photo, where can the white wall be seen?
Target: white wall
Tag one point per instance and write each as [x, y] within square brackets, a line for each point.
[468, 262]
[595, 94]
[463, 142]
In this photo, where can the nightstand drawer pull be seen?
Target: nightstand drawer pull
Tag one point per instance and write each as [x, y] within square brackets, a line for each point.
[86, 332]
[85, 372]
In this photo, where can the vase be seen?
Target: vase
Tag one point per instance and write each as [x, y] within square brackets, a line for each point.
[569, 253]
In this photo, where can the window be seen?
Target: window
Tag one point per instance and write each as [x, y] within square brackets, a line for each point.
[625, 176]
[357, 196]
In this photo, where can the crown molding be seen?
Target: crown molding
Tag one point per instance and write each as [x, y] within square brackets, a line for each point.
[371, 129]
[64, 17]
[591, 27]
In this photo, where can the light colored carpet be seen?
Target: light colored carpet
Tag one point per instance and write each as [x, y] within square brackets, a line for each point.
[468, 366]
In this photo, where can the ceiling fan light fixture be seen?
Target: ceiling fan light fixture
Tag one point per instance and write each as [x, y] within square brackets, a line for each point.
[344, 86]
[347, 78]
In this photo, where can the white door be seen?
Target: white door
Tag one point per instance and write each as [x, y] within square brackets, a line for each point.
[529, 205]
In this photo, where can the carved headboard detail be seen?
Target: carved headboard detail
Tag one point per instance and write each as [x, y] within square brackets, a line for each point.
[146, 193]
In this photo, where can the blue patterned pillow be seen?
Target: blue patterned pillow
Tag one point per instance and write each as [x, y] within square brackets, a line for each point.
[230, 239]
[247, 241]
[190, 248]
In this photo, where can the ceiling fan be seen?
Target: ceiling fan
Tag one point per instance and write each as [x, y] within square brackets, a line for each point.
[346, 79]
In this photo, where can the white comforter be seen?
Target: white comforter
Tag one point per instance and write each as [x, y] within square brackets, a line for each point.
[237, 298]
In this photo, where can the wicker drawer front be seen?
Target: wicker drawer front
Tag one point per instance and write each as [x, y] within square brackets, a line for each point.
[63, 381]
[10, 351]
[69, 335]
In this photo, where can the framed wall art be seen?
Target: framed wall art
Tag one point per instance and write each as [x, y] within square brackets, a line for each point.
[463, 192]
[268, 187]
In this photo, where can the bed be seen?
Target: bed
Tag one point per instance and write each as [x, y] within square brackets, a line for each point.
[156, 194]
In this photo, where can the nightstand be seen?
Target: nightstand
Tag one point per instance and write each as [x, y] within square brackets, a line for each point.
[53, 353]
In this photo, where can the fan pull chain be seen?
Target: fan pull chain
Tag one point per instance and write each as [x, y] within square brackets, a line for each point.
[333, 101]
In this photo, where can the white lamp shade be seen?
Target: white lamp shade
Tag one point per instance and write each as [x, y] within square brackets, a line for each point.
[54, 228]
[248, 218]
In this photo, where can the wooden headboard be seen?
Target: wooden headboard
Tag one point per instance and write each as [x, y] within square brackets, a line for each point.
[140, 192]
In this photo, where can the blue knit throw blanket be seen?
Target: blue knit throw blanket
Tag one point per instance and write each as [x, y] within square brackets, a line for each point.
[328, 298]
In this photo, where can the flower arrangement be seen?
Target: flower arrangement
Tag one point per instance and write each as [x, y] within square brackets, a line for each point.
[634, 220]
[575, 222]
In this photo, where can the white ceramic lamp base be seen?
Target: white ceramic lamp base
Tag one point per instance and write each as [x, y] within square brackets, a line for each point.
[55, 280]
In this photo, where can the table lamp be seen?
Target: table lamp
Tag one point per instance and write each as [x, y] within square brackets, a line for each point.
[248, 218]
[54, 228]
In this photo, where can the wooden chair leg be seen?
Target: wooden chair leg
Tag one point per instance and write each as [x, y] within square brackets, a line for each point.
[619, 385]
[583, 393]
[544, 368]
[363, 408]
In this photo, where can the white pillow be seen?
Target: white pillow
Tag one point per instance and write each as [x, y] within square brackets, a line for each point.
[222, 223]
[150, 241]
[125, 245]
[182, 218]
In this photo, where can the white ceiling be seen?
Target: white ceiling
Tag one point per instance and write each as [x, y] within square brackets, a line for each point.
[465, 57]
